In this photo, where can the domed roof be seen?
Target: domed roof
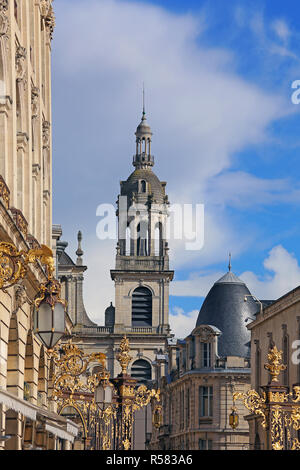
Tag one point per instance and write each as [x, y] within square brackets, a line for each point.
[225, 308]
[143, 128]
[155, 187]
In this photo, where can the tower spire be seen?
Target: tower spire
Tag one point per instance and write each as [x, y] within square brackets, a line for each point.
[229, 264]
[144, 112]
[143, 158]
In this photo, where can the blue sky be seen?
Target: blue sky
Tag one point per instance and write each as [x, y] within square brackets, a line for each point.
[218, 79]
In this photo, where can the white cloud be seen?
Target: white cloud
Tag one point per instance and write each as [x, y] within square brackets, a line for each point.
[282, 275]
[240, 189]
[201, 111]
[182, 324]
[281, 29]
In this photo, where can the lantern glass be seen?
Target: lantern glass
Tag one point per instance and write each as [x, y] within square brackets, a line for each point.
[99, 395]
[103, 395]
[50, 324]
[108, 395]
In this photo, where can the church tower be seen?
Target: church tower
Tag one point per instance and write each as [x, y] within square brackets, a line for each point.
[142, 273]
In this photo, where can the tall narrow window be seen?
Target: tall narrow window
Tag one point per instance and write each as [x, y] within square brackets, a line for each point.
[142, 307]
[205, 402]
[142, 238]
[188, 407]
[206, 354]
[158, 239]
[143, 186]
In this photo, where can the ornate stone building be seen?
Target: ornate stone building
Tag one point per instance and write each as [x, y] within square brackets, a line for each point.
[203, 372]
[279, 324]
[26, 28]
[141, 278]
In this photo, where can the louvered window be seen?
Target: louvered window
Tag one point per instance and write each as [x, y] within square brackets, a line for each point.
[142, 307]
[141, 370]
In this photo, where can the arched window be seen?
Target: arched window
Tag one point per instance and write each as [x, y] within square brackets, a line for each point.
[158, 240]
[142, 238]
[142, 307]
[127, 250]
[143, 186]
[141, 370]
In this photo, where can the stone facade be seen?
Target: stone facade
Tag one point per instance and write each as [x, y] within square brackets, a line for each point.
[279, 323]
[186, 391]
[26, 28]
[203, 372]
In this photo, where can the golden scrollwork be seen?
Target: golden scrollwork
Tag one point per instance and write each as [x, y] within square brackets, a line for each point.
[274, 364]
[123, 357]
[278, 407]
[254, 403]
[14, 263]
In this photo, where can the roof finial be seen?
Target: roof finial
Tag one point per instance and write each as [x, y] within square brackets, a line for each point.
[229, 264]
[144, 113]
[79, 251]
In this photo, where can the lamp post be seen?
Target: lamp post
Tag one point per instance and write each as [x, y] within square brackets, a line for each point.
[278, 408]
[49, 309]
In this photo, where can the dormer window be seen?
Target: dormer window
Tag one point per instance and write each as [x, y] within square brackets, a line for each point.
[205, 354]
[143, 186]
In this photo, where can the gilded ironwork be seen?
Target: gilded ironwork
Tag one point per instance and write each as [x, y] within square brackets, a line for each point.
[74, 388]
[124, 357]
[274, 364]
[111, 427]
[4, 191]
[278, 408]
[14, 263]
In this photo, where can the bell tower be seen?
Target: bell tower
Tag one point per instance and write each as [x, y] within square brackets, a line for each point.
[142, 273]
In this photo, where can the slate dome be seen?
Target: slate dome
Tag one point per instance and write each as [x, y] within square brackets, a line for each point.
[155, 186]
[225, 308]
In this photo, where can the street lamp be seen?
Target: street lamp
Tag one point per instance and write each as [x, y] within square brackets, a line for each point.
[49, 313]
[104, 394]
[49, 309]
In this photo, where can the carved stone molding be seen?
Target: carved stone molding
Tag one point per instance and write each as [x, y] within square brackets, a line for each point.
[20, 296]
[33, 243]
[206, 333]
[20, 62]
[4, 21]
[36, 168]
[46, 196]
[20, 221]
[45, 7]
[22, 140]
[46, 135]
[50, 20]
[35, 92]
[4, 192]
